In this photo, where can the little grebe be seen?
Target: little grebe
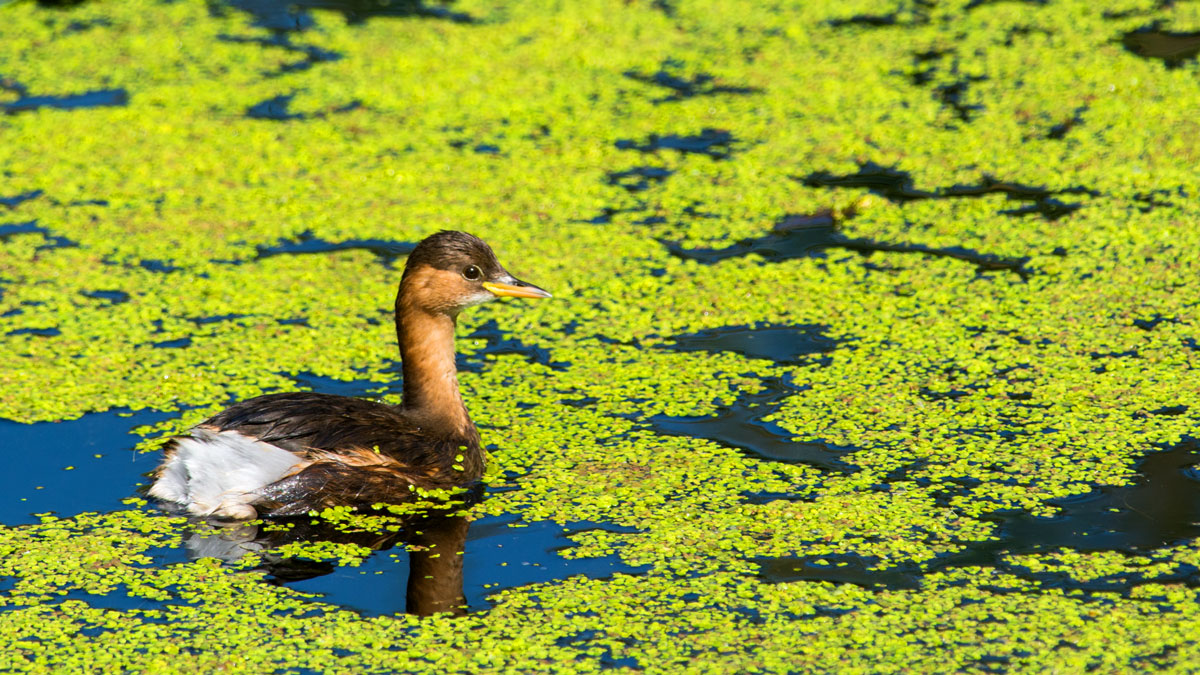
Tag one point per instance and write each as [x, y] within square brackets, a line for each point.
[286, 454]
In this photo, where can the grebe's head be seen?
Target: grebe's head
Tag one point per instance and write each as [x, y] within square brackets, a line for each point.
[450, 271]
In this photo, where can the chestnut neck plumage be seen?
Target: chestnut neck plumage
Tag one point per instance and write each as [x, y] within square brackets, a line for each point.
[431, 395]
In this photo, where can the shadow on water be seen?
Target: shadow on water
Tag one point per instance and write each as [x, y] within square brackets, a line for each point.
[800, 236]
[97, 447]
[296, 15]
[1160, 508]
[1151, 42]
[740, 424]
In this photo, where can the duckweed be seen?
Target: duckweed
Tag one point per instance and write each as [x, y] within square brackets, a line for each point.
[964, 392]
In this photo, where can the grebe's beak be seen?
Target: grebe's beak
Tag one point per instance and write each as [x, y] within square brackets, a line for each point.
[514, 288]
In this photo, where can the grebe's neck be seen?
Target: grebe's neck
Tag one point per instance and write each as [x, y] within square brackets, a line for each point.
[431, 393]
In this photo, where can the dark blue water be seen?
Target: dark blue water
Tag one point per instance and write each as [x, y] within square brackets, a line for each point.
[388, 251]
[741, 424]
[1160, 508]
[52, 240]
[91, 99]
[1173, 49]
[496, 556]
[782, 344]
[98, 446]
[89, 465]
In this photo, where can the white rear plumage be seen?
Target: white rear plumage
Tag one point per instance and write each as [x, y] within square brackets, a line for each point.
[218, 473]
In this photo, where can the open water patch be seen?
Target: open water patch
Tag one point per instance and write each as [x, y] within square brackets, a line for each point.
[801, 236]
[499, 342]
[27, 102]
[1152, 42]
[388, 251]
[31, 227]
[43, 332]
[312, 55]
[1160, 508]
[453, 561]
[740, 425]
[176, 343]
[66, 468]
[951, 92]
[683, 87]
[111, 297]
[639, 178]
[365, 388]
[276, 109]
[897, 186]
[716, 143]
[917, 15]
[159, 266]
[15, 200]
[296, 15]
[782, 344]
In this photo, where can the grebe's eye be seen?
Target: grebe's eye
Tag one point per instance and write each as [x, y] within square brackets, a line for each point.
[472, 273]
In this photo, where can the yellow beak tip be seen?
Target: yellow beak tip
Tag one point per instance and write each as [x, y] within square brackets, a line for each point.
[513, 291]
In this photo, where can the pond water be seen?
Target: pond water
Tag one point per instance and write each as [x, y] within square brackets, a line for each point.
[65, 468]
[1161, 508]
[379, 118]
[740, 424]
[89, 464]
[805, 235]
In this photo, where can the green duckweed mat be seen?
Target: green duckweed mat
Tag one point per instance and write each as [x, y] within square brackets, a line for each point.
[1022, 336]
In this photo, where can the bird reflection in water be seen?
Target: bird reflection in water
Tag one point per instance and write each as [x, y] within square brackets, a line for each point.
[435, 541]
